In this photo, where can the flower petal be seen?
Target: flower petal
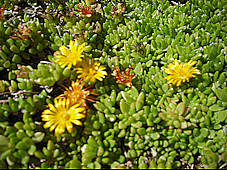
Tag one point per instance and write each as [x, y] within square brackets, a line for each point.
[64, 51]
[69, 127]
[77, 122]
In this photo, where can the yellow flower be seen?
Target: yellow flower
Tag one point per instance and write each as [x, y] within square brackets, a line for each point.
[71, 56]
[77, 94]
[61, 115]
[90, 70]
[181, 72]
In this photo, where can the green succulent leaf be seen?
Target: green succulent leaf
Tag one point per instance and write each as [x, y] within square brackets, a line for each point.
[220, 116]
[38, 137]
[4, 141]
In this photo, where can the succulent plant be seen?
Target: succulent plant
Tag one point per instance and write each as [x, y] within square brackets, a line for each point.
[3, 85]
[48, 74]
[174, 114]
[210, 159]
[147, 124]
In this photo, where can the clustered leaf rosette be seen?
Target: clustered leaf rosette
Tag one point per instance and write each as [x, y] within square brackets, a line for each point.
[124, 77]
[71, 105]
[181, 72]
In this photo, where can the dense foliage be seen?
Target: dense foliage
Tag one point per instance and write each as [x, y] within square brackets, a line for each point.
[130, 115]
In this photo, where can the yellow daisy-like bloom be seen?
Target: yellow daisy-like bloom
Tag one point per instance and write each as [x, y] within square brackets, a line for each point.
[77, 94]
[90, 70]
[61, 115]
[181, 72]
[71, 56]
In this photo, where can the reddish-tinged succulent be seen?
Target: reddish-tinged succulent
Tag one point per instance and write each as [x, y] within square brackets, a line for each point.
[85, 10]
[2, 9]
[124, 77]
[22, 32]
[23, 72]
[119, 10]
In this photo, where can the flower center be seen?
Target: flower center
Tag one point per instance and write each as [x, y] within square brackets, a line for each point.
[92, 71]
[64, 116]
[76, 94]
[182, 74]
